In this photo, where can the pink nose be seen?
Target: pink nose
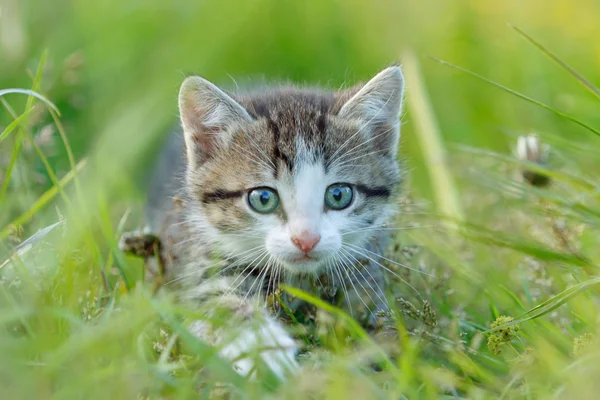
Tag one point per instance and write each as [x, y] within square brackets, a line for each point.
[306, 241]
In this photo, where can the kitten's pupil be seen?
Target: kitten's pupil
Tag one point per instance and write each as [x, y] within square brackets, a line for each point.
[337, 194]
[265, 197]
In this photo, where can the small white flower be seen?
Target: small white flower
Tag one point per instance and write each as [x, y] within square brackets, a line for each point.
[531, 149]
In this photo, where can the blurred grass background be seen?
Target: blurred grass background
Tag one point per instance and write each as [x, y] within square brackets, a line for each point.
[113, 69]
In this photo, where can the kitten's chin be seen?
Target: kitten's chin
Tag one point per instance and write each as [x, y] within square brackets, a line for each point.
[304, 265]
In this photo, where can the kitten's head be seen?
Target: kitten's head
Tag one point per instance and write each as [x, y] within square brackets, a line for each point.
[305, 176]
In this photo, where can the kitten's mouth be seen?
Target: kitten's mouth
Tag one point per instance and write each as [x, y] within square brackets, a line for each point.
[303, 258]
[305, 263]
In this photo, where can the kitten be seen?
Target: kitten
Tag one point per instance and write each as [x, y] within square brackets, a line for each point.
[287, 185]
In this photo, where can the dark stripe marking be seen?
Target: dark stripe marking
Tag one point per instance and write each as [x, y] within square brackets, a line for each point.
[378, 191]
[321, 129]
[221, 194]
[275, 131]
[260, 109]
[277, 154]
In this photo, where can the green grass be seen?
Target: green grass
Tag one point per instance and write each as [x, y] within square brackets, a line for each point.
[501, 297]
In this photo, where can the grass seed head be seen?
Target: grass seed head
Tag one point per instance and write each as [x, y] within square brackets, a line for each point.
[581, 344]
[503, 335]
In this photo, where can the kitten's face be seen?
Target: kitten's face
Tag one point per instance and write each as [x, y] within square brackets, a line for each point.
[293, 177]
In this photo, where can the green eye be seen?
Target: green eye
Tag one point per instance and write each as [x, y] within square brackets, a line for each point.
[263, 200]
[338, 196]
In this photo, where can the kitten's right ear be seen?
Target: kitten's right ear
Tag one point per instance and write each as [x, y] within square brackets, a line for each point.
[206, 115]
[378, 104]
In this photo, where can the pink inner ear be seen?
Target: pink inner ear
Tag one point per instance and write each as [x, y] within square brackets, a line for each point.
[204, 144]
[205, 140]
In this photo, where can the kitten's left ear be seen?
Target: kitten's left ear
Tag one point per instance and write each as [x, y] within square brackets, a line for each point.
[378, 105]
[207, 113]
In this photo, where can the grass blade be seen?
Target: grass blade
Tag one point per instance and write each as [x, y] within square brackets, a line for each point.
[28, 243]
[358, 330]
[28, 106]
[43, 200]
[586, 83]
[521, 96]
[550, 304]
[431, 143]
[40, 154]
[31, 93]
[16, 150]
[13, 125]
[491, 237]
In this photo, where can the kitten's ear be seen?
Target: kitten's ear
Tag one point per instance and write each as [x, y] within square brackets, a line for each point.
[378, 105]
[206, 115]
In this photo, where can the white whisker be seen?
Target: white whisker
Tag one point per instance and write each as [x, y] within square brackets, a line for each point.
[203, 270]
[243, 274]
[241, 235]
[262, 273]
[387, 259]
[343, 164]
[257, 161]
[349, 270]
[336, 270]
[260, 150]
[355, 149]
[356, 290]
[391, 272]
[379, 290]
[404, 228]
[272, 280]
[195, 238]
[276, 269]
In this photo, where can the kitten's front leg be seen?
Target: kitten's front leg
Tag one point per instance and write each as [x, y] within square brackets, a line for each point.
[249, 333]
[269, 339]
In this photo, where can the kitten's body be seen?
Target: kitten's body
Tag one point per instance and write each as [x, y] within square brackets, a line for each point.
[297, 146]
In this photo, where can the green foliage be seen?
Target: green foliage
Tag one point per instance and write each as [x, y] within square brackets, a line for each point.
[96, 85]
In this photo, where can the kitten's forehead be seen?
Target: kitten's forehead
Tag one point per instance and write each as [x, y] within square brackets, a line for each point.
[298, 124]
[293, 128]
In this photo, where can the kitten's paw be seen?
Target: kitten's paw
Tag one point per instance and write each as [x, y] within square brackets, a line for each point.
[274, 345]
